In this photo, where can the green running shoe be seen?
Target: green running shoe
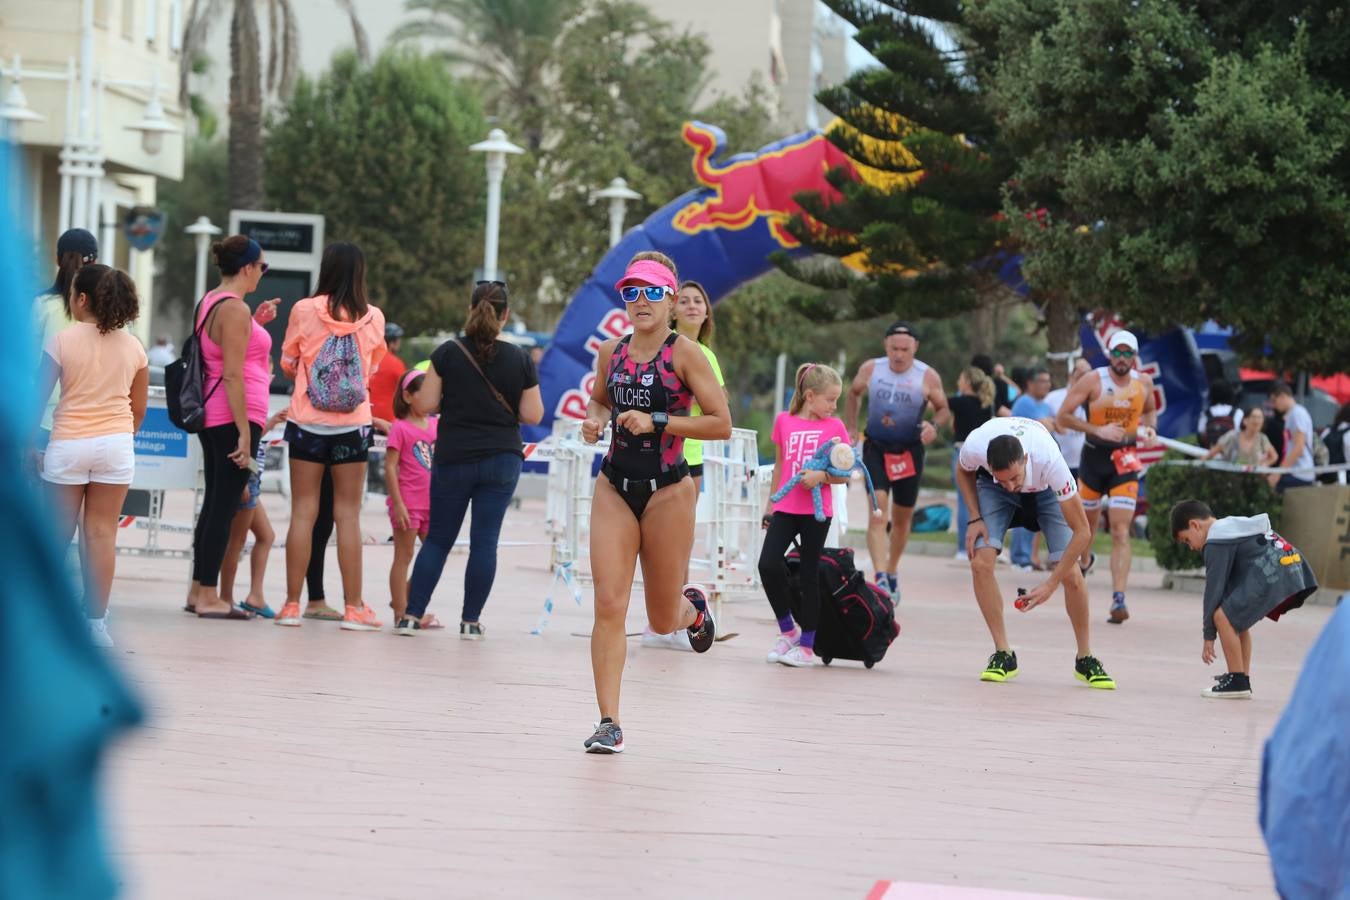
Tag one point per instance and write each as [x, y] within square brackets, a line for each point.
[1002, 667]
[1088, 669]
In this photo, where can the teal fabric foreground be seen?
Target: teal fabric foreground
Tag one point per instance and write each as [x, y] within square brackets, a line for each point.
[60, 700]
[1305, 777]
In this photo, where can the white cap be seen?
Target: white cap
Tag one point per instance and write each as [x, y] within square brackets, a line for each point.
[1123, 338]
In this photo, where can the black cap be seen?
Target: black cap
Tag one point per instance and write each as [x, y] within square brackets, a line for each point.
[901, 328]
[392, 332]
[77, 240]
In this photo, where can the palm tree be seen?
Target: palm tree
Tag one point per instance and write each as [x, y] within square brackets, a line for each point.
[509, 45]
[246, 81]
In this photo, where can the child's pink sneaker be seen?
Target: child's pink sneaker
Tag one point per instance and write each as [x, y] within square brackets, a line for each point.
[799, 657]
[781, 646]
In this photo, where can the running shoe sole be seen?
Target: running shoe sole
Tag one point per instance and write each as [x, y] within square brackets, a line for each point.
[707, 636]
[1118, 614]
[601, 748]
[998, 678]
[357, 626]
[289, 623]
[1226, 695]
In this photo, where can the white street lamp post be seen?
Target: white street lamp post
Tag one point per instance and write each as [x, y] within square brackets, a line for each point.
[496, 147]
[203, 231]
[618, 194]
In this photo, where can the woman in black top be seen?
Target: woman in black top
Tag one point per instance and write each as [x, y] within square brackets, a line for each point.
[972, 406]
[478, 453]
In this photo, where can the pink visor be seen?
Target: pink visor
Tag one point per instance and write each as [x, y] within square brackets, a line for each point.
[648, 271]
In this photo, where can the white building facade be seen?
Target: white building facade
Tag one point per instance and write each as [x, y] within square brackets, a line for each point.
[89, 93]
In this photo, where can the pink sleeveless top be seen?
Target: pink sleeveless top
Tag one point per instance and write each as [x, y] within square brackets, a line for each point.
[257, 375]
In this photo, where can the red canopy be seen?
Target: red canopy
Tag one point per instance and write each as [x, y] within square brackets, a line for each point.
[1337, 386]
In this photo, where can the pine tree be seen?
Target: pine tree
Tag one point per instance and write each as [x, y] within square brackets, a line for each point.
[924, 220]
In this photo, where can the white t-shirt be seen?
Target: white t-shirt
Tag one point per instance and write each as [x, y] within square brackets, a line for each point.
[1046, 467]
[1070, 442]
[1298, 421]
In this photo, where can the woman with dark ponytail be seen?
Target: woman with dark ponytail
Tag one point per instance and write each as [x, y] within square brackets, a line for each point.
[90, 459]
[74, 249]
[478, 453]
[236, 360]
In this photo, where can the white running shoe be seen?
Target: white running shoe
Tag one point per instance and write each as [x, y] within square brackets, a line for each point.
[680, 641]
[961, 556]
[98, 633]
[781, 647]
[652, 639]
[799, 657]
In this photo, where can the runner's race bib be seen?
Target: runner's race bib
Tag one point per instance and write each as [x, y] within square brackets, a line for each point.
[899, 466]
[1126, 461]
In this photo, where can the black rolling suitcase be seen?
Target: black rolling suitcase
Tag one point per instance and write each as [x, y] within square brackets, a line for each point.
[857, 619]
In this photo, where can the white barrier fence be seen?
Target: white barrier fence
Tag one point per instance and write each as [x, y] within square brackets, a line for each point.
[728, 512]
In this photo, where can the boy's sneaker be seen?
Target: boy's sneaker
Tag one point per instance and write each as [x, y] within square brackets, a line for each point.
[471, 631]
[1230, 686]
[1002, 667]
[608, 738]
[289, 615]
[408, 626]
[98, 633]
[799, 657]
[1088, 669]
[961, 556]
[704, 632]
[782, 645]
[1119, 613]
[360, 618]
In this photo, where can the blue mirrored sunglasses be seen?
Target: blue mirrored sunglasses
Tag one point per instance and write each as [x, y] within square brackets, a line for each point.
[654, 293]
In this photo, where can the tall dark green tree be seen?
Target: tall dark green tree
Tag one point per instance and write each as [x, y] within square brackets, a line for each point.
[927, 230]
[381, 152]
[1193, 160]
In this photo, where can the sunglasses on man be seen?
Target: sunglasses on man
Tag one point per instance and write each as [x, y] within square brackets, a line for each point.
[500, 284]
[654, 293]
[1122, 353]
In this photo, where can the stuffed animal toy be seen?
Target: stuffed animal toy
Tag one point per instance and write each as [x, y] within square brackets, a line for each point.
[835, 459]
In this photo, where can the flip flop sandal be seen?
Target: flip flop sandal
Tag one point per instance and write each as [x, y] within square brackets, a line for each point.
[235, 614]
[326, 614]
[265, 611]
[430, 622]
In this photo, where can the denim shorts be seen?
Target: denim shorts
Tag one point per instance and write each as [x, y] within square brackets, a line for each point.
[1041, 512]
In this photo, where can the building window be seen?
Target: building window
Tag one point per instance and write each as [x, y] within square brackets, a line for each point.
[129, 19]
[152, 23]
[175, 25]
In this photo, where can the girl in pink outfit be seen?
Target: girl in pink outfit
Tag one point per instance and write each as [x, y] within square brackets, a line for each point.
[90, 460]
[236, 350]
[334, 342]
[807, 425]
[407, 475]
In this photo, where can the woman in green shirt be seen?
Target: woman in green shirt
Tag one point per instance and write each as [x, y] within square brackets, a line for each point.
[691, 316]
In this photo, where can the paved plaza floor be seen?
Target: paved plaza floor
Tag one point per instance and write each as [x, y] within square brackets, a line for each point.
[312, 762]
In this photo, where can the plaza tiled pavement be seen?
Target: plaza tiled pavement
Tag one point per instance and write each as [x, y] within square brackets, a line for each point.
[311, 762]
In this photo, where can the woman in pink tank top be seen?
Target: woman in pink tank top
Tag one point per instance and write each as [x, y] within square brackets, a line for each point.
[235, 352]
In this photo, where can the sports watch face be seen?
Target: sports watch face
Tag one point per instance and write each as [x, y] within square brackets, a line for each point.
[660, 419]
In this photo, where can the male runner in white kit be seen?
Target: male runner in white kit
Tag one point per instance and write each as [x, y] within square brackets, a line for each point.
[1011, 471]
[899, 389]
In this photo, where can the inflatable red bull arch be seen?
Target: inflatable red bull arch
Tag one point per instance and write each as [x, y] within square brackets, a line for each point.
[722, 233]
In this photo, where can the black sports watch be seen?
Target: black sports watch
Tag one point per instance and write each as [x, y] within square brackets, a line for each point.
[660, 420]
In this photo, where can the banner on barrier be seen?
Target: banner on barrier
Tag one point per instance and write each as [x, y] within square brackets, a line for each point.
[166, 457]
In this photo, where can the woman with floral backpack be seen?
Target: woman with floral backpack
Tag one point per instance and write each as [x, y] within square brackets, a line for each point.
[334, 342]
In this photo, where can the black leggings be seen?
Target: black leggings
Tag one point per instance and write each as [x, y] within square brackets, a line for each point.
[318, 541]
[773, 570]
[225, 483]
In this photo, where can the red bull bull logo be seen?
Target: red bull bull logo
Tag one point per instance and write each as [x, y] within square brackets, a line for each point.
[750, 188]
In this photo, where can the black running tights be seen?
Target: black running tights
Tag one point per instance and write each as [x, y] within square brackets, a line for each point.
[773, 570]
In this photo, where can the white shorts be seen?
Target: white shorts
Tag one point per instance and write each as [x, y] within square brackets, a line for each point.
[107, 459]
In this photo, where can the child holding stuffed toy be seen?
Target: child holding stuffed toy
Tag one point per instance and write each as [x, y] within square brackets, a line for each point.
[1250, 573]
[809, 424]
